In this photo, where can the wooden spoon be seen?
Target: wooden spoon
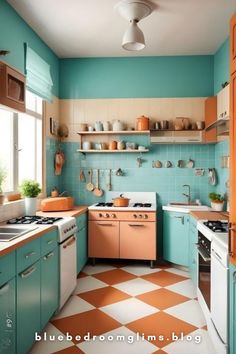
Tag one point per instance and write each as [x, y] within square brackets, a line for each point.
[89, 185]
[98, 192]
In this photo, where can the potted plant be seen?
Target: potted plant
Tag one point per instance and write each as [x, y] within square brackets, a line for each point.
[30, 190]
[2, 178]
[217, 201]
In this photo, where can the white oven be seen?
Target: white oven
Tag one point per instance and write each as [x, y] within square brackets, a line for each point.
[213, 280]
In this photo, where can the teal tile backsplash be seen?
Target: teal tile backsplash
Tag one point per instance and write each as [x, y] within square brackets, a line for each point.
[166, 182]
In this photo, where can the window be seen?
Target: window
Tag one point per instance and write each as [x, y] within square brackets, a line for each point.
[21, 143]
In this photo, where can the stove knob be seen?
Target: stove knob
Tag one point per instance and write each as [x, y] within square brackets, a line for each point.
[100, 215]
[107, 215]
[135, 216]
[140, 216]
[113, 216]
[145, 216]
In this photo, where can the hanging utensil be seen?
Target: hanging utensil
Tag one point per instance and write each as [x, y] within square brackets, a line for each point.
[109, 180]
[89, 185]
[82, 176]
[98, 192]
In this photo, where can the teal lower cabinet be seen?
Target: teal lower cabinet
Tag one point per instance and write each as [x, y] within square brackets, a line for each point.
[82, 249]
[232, 309]
[175, 237]
[49, 285]
[28, 307]
[193, 254]
[82, 241]
[8, 317]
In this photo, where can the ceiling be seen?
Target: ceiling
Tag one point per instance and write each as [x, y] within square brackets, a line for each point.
[92, 28]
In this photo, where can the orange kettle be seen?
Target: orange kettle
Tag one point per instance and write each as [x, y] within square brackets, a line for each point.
[142, 123]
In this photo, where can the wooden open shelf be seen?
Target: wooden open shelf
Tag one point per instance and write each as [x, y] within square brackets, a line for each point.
[107, 151]
[112, 132]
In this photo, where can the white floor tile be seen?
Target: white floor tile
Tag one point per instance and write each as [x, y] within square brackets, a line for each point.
[87, 284]
[49, 347]
[140, 269]
[97, 269]
[189, 311]
[73, 306]
[128, 310]
[185, 288]
[118, 346]
[136, 286]
[179, 272]
[185, 346]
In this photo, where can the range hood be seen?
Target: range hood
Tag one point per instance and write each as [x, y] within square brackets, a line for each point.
[217, 123]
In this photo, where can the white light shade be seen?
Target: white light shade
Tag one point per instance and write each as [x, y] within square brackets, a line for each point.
[133, 38]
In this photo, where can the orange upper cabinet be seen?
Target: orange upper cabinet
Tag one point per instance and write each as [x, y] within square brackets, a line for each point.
[233, 44]
[233, 139]
[12, 88]
[210, 117]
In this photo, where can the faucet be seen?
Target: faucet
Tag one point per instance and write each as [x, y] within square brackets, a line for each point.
[189, 193]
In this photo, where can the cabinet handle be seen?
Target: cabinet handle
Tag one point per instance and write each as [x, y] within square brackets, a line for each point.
[136, 225]
[104, 224]
[49, 255]
[50, 241]
[232, 228]
[4, 288]
[180, 217]
[30, 254]
[28, 272]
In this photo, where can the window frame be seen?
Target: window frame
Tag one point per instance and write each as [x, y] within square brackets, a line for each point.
[16, 150]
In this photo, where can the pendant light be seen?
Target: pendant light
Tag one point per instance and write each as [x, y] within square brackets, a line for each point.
[134, 11]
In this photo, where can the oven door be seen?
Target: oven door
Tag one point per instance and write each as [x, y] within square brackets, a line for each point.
[204, 274]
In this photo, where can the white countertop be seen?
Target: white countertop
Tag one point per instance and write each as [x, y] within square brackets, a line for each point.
[186, 208]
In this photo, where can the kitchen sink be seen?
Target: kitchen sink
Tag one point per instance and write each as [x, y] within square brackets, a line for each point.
[183, 204]
[8, 233]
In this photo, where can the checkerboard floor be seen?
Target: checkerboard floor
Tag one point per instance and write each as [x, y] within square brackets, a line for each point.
[130, 308]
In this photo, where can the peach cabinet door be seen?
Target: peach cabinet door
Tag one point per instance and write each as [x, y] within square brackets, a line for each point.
[138, 240]
[210, 117]
[103, 240]
[232, 196]
[233, 44]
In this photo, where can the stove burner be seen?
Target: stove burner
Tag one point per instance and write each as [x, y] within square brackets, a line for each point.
[34, 219]
[102, 204]
[217, 226]
[142, 205]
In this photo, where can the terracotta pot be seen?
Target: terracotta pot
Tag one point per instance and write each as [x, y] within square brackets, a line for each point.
[113, 145]
[121, 201]
[142, 123]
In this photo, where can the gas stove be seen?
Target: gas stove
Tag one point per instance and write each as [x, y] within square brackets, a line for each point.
[214, 229]
[40, 220]
[139, 201]
[217, 226]
[66, 226]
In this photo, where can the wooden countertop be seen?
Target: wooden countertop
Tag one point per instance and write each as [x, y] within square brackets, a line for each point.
[10, 246]
[210, 215]
[78, 210]
[7, 247]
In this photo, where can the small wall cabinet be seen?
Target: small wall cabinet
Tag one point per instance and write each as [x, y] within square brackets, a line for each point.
[210, 136]
[175, 237]
[12, 88]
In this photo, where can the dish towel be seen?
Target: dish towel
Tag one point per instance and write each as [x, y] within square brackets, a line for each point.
[212, 180]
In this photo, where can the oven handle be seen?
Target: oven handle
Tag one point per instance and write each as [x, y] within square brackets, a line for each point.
[202, 253]
[70, 242]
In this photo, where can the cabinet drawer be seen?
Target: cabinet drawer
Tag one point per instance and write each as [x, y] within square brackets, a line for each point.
[27, 255]
[81, 221]
[7, 267]
[48, 242]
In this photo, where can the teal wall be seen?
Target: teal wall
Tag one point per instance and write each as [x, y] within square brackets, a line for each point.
[221, 66]
[139, 77]
[13, 33]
